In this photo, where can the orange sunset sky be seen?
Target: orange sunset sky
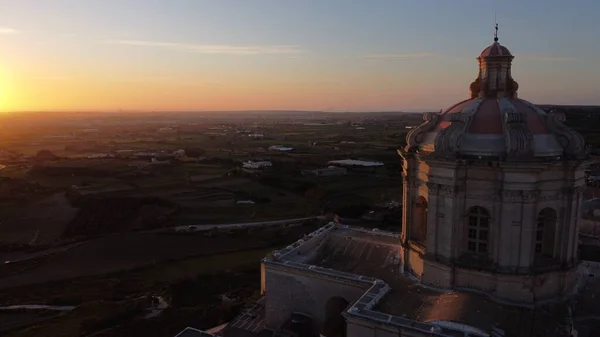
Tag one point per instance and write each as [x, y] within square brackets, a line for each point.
[301, 55]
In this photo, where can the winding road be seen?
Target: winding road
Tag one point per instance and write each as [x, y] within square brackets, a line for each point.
[200, 228]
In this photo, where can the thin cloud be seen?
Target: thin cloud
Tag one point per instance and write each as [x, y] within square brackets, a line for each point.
[400, 55]
[213, 49]
[7, 31]
[546, 58]
[464, 59]
[52, 78]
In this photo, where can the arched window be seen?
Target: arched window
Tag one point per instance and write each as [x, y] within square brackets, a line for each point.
[419, 225]
[478, 230]
[545, 232]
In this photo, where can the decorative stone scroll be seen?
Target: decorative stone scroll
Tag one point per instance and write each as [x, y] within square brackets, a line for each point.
[415, 136]
[447, 141]
[570, 140]
[518, 137]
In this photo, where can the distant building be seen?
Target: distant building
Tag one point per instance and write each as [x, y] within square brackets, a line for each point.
[155, 161]
[256, 164]
[100, 156]
[124, 153]
[280, 148]
[146, 154]
[352, 162]
[327, 172]
[256, 135]
[179, 153]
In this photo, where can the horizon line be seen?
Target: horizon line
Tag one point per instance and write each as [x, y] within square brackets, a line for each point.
[258, 110]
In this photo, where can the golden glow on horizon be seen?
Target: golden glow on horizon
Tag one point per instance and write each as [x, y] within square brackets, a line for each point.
[6, 94]
[155, 94]
[358, 85]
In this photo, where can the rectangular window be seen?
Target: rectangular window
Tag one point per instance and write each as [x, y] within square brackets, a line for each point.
[478, 231]
[472, 233]
[472, 246]
[539, 235]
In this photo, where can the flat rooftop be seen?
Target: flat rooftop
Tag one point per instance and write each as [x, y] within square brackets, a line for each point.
[376, 255]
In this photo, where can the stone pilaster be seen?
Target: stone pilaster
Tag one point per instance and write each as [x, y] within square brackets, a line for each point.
[432, 220]
[512, 223]
[565, 239]
[447, 238]
[528, 228]
[571, 229]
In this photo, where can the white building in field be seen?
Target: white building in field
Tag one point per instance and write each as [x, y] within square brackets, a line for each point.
[280, 148]
[256, 164]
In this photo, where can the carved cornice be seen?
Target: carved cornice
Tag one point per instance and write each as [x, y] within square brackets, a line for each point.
[555, 196]
[493, 196]
[531, 196]
[450, 191]
[511, 196]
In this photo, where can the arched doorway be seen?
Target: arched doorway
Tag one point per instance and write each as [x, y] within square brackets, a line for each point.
[419, 223]
[545, 233]
[335, 324]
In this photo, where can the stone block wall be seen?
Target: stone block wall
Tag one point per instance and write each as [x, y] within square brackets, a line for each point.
[290, 291]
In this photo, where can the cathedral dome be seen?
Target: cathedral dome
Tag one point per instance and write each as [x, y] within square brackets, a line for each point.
[496, 49]
[494, 122]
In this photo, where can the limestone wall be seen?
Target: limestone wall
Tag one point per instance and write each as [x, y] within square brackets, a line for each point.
[590, 227]
[287, 292]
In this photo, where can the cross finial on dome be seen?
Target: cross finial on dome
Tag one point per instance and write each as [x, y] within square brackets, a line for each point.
[496, 33]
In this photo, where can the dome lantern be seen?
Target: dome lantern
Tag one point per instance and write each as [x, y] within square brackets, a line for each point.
[494, 79]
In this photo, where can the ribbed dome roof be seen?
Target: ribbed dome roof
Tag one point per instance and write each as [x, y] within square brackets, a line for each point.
[495, 49]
